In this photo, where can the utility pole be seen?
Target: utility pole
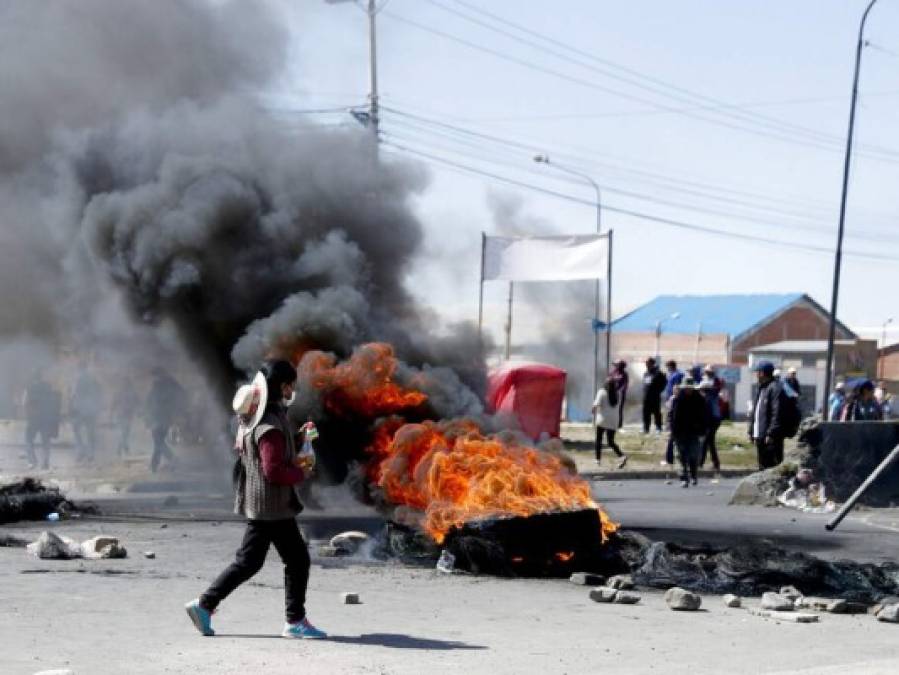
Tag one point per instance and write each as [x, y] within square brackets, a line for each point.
[374, 120]
[838, 256]
[544, 159]
[509, 322]
[373, 69]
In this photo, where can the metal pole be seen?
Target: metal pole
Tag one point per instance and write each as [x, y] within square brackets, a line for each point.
[698, 340]
[609, 308]
[658, 339]
[544, 159]
[509, 322]
[481, 288]
[847, 507]
[838, 257]
[373, 64]
[883, 344]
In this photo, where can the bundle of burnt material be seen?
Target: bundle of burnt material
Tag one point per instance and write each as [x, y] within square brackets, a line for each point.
[29, 499]
[755, 568]
[541, 545]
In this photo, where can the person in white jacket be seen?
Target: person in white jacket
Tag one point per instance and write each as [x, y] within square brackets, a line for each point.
[606, 414]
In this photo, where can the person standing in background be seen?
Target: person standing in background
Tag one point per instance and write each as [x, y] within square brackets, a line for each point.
[42, 410]
[688, 419]
[165, 400]
[654, 383]
[124, 409]
[85, 406]
[766, 421]
[710, 391]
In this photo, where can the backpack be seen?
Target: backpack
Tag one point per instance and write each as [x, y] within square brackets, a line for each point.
[791, 415]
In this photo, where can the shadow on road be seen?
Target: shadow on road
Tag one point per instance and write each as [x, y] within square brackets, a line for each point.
[398, 641]
[393, 640]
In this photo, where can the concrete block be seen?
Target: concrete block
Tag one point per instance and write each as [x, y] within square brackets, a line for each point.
[623, 582]
[731, 600]
[626, 598]
[351, 599]
[776, 602]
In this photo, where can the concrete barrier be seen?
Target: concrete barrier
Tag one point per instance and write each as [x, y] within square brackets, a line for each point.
[843, 455]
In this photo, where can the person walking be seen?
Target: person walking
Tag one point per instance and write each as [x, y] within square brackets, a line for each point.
[606, 418]
[654, 383]
[766, 421]
[267, 473]
[42, 410]
[710, 391]
[688, 421]
[165, 400]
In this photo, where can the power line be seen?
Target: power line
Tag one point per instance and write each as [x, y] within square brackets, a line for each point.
[531, 148]
[606, 188]
[655, 83]
[882, 155]
[635, 214]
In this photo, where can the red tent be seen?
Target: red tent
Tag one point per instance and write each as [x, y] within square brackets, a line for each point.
[533, 392]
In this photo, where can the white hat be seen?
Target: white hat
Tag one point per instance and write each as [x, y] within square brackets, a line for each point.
[791, 370]
[250, 401]
[776, 372]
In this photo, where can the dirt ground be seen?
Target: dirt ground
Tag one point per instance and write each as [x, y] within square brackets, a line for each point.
[126, 616]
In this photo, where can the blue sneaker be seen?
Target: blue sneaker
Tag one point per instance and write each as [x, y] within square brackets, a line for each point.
[303, 630]
[201, 618]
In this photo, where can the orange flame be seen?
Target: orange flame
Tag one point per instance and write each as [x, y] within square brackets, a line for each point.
[453, 474]
[362, 386]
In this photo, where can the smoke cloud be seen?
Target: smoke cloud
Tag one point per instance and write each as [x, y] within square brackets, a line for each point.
[143, 191]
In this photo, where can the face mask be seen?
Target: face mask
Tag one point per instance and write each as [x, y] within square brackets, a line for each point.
[289, 401]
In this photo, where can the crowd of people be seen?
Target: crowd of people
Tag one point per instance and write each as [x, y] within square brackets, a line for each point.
[45, 415]
[860, 402]
[695, 402]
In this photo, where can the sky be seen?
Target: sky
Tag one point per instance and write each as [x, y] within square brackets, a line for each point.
[722, 116]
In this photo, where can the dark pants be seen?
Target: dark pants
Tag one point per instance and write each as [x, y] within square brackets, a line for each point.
[710, 448]
[669, 450]
[652, 410]
[260, 534]
[31, 433]
[770, 453]
[610, 438]
[160, 447]
[688, 452]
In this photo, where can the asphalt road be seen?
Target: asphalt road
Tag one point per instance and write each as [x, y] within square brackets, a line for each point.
[702, 514]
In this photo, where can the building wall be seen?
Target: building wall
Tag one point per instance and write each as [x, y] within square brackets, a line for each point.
[802, 322]
[635, 348]
[889, 363]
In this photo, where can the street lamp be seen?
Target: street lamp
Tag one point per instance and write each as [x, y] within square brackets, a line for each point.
[838, 256]
[672, 316]
[883, 343]
[544, 159]
[372, 11]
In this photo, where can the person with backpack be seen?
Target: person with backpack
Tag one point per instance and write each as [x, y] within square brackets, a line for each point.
[774, 417]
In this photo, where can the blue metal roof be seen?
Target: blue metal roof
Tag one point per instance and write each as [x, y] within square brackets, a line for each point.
[729, 314]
